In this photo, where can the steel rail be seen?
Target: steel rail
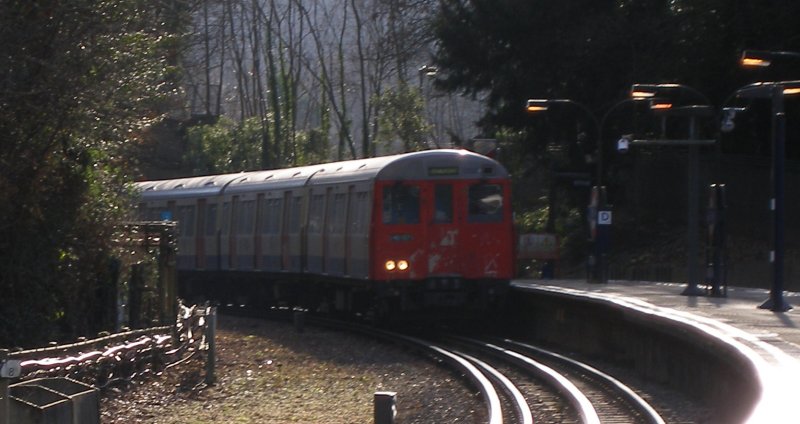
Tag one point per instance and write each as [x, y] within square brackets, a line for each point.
[472, 373]
[571, 393]
[621, 388]
[523, 409]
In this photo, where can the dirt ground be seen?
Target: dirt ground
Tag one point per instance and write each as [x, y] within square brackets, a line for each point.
[268, 372]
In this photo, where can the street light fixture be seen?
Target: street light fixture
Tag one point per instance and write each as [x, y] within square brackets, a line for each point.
[662, 98]
[534, 106]
[665, 91]
[763, 59]
[597, 258]
[762, 90]
[537, 105]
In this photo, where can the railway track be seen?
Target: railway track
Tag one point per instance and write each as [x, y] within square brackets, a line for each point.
[521, 383]
[592, 396]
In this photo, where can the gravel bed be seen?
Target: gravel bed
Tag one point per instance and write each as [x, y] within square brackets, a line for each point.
[267, 372]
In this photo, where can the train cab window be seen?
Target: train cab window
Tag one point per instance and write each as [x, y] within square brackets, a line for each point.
[443, 204]
[401, 204]
[485, 203]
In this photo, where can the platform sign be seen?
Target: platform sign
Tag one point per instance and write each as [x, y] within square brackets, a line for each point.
[538, 246]
[604, 217]
[10, 368]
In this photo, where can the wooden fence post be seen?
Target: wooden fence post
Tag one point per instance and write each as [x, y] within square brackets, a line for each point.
[211, 335]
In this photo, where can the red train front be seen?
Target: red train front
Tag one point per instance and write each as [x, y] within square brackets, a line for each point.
[442, 229]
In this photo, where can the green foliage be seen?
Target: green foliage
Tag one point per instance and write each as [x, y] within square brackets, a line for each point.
[80, 81]
[224, 147]
[592, 51]
[402, 119]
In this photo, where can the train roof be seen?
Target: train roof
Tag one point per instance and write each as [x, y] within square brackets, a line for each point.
[428, 164]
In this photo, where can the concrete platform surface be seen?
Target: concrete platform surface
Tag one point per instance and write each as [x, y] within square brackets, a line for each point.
[770, 340]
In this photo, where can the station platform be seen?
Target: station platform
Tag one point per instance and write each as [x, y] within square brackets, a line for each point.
[770, 340]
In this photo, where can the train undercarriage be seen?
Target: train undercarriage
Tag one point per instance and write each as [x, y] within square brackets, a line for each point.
[339, 295]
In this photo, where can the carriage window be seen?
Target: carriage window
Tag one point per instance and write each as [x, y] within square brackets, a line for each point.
[294, 218]
[246, 217]
[359, 217]
[443, 203]
[271, 216]
[226, 218]
[338, 213]
[315, 214]
[153, 214]
[186, 221]
[211, 220]
[485, 203]
[401, 204]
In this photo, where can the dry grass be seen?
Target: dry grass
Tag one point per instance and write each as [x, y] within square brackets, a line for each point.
[269, 373]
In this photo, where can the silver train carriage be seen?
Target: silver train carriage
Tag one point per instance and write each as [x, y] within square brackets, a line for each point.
[401, 232]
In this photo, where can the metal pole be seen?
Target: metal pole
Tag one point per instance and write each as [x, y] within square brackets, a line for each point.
[776, 303]
[692, 288]
[384, 407]
[5, 401]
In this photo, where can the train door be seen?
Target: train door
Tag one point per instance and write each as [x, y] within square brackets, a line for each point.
[200, 240]
[335, 242]
[358, 249]
[245, 248]
[346, 269]
[212, 236]
[314, 232]
[444, 232]
[259, 230]
[486, 242]
[185, 215]
[234, 213]
[286, 264]
[294, 213]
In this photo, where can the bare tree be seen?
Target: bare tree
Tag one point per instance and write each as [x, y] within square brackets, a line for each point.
[307, 69]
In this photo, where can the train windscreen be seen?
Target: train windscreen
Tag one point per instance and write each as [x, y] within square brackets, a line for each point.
[401, 204]
[485, 203]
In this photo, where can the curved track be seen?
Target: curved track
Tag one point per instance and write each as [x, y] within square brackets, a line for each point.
[511, 374]
[595, 396]
[518, 382]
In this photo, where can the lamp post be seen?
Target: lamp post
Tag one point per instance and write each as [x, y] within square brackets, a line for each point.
[599, 228]
[775, 91]
[693, 111]
[533, 106]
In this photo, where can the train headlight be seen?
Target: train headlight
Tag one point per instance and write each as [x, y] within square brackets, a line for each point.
[402, 265]
[390, 265]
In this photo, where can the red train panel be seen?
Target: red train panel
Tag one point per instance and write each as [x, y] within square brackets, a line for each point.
[443, 228]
